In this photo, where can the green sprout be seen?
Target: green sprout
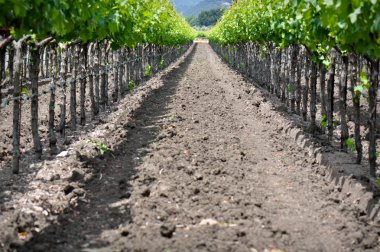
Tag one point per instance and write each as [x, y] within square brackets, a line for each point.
[162, 63]
[290, 87]
[148, 71]
[131, 85]
[323, 121]
[102, 148]
[350, 142]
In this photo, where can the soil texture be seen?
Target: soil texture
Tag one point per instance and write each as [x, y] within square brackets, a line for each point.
[193, 165]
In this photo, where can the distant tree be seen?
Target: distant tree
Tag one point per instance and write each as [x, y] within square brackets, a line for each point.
[193, 21]
[209, 18]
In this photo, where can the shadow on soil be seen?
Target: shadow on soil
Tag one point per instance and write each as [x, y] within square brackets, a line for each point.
[80, 227]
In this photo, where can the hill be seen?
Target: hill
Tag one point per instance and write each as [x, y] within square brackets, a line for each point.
[195, 7]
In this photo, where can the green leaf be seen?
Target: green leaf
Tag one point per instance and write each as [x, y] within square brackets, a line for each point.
[354, 15]
[364, 80]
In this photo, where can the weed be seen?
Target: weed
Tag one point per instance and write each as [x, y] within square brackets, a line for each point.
[131, 85]
[102, 148]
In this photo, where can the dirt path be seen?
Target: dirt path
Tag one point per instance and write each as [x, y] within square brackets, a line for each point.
[200, 170]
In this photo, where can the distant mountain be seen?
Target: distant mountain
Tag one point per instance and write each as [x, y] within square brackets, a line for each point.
[195, 7]
[183, 6]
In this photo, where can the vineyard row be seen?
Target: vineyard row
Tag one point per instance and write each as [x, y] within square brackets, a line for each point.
[29, 71]
[318, 94]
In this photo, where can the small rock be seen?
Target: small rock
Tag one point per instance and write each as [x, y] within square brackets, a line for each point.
[63, 154]
[124, 231]
[167, 230]
[208, 222]
[197, 191]
[216, 172]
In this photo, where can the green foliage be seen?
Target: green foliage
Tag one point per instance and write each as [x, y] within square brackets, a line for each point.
[131, 85]
[206, 18]
[123, 22]
[350, 142]
[148, 71]
[193, 21]
[320, 25]
[209, 18]
[364, 86]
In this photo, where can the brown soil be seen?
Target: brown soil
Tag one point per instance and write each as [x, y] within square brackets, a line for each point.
[193, 166]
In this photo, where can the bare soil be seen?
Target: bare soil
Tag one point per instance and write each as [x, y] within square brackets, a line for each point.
[193, 166]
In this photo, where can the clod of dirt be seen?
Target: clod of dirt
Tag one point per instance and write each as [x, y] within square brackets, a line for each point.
[259, 205]
[126, 195]
[167, 230]
[198, 176]
[77, 175]
[216, 172]
[162, 190]
[196, 191]
[79, 192]
[55, 177]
